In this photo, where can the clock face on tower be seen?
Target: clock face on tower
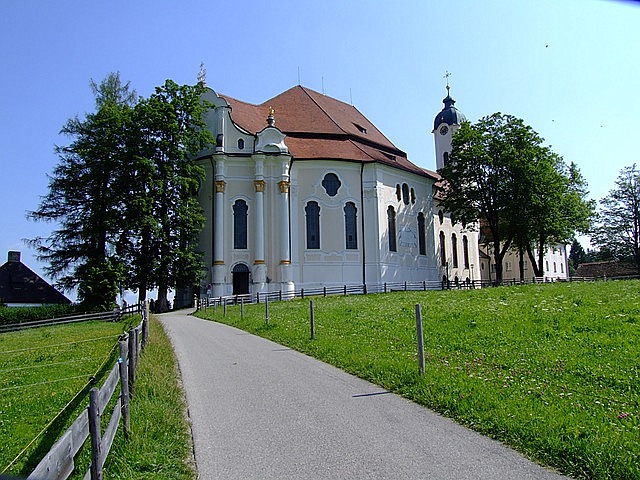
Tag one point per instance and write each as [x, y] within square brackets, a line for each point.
[443, 130]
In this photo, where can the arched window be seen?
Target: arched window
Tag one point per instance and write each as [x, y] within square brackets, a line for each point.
[443, 251]
[313, 225]
[465, 250]
[350, 226]
[422, 234]
[405, 194]
[240, 224]
[454, 250]
[445, 158]
[398, 192]
[391, 218]
[413, 196]
[441, 216]
[331, 184]
[241, 144]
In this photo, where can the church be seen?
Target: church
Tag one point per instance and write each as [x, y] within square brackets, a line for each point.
[303, 191]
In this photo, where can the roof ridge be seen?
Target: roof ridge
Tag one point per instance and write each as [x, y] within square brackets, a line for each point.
[306, 91]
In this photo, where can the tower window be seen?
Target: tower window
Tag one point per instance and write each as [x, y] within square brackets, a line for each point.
[465, 250]
[443, 251]
[445, 157]
[398, 192]
[422, 237]
[313, 225]
[454, 250]
[391, 219]
[405, 194]
[350, 226]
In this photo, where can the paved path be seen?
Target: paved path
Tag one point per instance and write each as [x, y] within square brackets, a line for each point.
[262, 411]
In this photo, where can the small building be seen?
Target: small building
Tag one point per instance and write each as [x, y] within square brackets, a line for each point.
[21, 287]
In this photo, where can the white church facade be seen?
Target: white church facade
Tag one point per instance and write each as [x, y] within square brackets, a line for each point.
[303, 191]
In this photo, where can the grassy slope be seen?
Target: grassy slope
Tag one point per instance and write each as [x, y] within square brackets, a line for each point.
[41, 370]
[160, 443]
[553, 370]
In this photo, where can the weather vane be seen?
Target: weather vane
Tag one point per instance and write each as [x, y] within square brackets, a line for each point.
[447, 74]
[202, 75]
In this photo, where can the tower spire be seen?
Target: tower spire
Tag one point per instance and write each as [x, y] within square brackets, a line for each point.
[447, 74]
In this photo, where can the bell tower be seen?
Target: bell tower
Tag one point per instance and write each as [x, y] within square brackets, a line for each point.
[446, 123]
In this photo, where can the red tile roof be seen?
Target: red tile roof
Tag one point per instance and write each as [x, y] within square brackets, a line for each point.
[321, 127]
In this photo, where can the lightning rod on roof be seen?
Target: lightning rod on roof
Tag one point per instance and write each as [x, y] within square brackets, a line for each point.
[298, 74]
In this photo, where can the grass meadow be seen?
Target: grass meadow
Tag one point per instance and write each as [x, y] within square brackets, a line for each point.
[552, 370]
[43, 372]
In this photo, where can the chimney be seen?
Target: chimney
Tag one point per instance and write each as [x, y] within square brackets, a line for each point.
[14, 257]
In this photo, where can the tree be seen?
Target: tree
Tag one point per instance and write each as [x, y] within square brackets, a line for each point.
[617, 228]
[558, 206]
[84, 198]
[486, 178]
[163, 251]
[577, 255]
[525, 196]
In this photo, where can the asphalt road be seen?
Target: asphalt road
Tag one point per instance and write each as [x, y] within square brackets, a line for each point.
[262, 411]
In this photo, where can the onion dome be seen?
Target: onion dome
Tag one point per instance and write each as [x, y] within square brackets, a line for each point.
[449, 114]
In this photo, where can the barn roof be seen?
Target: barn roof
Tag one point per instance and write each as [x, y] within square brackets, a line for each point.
[19, 284]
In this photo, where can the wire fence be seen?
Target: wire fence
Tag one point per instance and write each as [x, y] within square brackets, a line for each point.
[50, 466]
[364, 289]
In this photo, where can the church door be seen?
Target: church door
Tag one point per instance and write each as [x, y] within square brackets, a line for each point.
[240, 279]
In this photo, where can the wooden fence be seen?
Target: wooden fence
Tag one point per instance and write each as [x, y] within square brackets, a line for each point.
[111, 316]
[58, 463]
[363, 289]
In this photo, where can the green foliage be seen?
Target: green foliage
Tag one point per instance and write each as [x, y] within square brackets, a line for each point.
[523, 193]
[618, 220]
[550, 369]
[123, 195]
[85, 198]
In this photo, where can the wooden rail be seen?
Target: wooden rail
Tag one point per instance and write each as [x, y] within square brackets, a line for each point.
[110, 316]
[58, 463]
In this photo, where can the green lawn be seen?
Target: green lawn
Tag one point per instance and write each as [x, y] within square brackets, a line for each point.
[552, 370]
[42, 371]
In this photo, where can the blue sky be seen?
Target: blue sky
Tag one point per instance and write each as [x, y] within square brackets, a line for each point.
[569, 68]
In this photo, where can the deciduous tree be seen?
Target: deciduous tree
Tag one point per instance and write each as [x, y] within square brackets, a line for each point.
[618, 222]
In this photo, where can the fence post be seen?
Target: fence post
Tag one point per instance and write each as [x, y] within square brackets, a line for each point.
[94, 432]
[312, 321]
[324, 291]
[424, 285]
[266, 309]
[242, 309]
[131, 366]
[224, 309]
[124, 385]
[145, 323]
[364, 288]
[257, 297]
[385, 287]
[345, 290]
[420, 338]
[405, 285]
[302, 293]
